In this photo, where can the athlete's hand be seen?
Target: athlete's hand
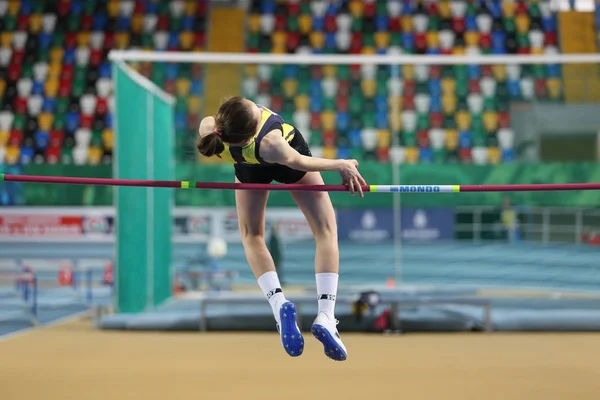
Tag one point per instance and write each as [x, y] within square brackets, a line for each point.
[348, 169]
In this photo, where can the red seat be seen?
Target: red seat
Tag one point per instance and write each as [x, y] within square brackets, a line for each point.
[140, 7]
[420, 42]
[315, 121]
[20, 105]
[465, 155]
[201, 8]
[95, 57]
[341, 102]
[196, 71]
[383, 154]
[53, 154]
[408, 102]
[14, 72]
[485, 40]
[329, 138]
[487, 71]
[87, 21]
[56, 138]
[199, 39]
[435, 71]
[145, 69]
[446, 52]
[101, 106]
[64, 87]
[293, 9]
[524, 50]
[356, 41]
[369, 10]
[109, 40]
[264, 87]
[63, 8]
[410, 88]
[330, 23]
[293, 41]
[17, 56]
[316, 72]
[521, 7]
[355, 72]
[277, 103]
[394, 24]
[86, 121]
[280, 23]
[474, 86]
[436, 120]
[71, 40]
[193, 121]
[432, 9]
[540, 88]
[169, 86]
[162, 23]
[504, 119]
[23, 23]
[550, 39]
[343, 87]
[423, 138]
[67, 71]
[15, 138]
[458, 25]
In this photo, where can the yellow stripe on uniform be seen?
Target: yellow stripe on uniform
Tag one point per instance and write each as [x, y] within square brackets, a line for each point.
[373, 188]
[185, 184]
[456, 188]
[248, 154]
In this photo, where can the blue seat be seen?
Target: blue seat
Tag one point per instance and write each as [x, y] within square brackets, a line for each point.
[381, 51]
[180, 121]
[330, 42]
[37, 88]
[433, 51]
[197, 87]
[549, 23]
[42, 139]
[44, 40]
[267, 6]
[381, 103]
[495, 9]
[332, 8]
[71, 121]
[151, 7]
[408, 40]
[436, 103]
[343, 152]
[76, 7]
[499, 42]
[99, 22]
[5, 199]
[425, 155]
[104, 70]
[508, 155]
[316, 103]
[473, 71]
[315, 88]
[171, 71]
[187, 23]
[553, 70]
[465, 139]
[173, 40]
[26, 155]
[342, 121]
[435, 87]
[290, 71]
[355, 138]
[108, 120]
[381, 23]
[407, 8]
[381, 120]
[123, 24]
[48, 105]
[26, 7]
[318, 24]
[69, 57]
[514, 89]
[471, 23]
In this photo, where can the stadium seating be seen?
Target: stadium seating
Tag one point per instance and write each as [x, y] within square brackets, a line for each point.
[425, 114]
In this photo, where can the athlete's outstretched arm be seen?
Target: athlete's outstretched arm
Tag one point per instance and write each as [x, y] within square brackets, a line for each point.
[274, 149]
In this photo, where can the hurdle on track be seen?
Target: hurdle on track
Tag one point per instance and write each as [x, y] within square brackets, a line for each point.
[299, 187]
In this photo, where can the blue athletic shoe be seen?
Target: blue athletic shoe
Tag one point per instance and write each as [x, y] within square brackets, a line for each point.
[291, 337]
[324, 329]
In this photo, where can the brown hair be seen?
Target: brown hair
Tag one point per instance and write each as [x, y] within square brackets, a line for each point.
[234, 123]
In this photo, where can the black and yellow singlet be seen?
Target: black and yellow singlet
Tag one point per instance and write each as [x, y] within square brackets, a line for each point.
[249, 153]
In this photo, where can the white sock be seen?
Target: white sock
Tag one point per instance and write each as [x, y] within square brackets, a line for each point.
[269, 283]
[327, 285]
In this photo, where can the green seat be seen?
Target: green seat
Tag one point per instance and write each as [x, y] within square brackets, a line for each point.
[471, 9]
[534, 10]
[264, 46]
[38, 7]
[147, 41]
[355, 122]
[370, 155]
[502, 91]
[486, 52]
[276, 89]
[479, 137]
[433, 25]
[287, 115]
[491, 140]
[383, 72]
[476, 122]
[89, 7]
[409, 138]
[62, 105]
[422, 121]
[510, 25]
[381, 8]
[19, 122]
[303, 86]
[539, 71]
[175, 24]
[59, 121]
[369, 40]
[292, 24]
[449, 122]
[342, 139]
[158, 74]
[489, 104]
[181, 105]
[461, 73]
[503, 104]
[522, 40]
[305, 8]
[343, 72]
[27, 71]
[462, 88]
[43, 55]
[447, 72]
[357, 154]
[439, 156]
[73, 23]
[316, 139]
[288, 108]
[329, 104]
[67, 155]
[58, 39]
[462, 104]
[304, 74]
[78, 89]
[452, 158]
[356, 25]
[355, 104]
[382, 89]
[369, 106]
[395, 39]
[9, 22]
[422, 88]
[80, 73]
[163, 8]
[277, 75]
[368, 120]
[355, 87]
[96, 138]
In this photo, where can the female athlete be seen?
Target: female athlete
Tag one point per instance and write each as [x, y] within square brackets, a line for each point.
[264, 149]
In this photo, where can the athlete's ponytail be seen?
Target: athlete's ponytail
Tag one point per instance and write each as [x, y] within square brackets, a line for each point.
[211, 144]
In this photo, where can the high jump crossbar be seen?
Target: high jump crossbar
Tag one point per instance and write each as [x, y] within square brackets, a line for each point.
[63, 180]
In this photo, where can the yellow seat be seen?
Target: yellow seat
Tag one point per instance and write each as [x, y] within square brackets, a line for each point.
[356, 8]
[537, 51]
[6, 39]
[451, 139]
[83, 39]
[94, 155]
[290, 87]
[384, 139]
[302, 102]
[448, 86]
[279, 39]
[317, 40]
[472, 39]
[56, 55]
[411, 155]
[251, 71]
[449, 103]
[554, 88]
[433, 39]
[45, 121]
[329, 71]
[459, 50]
[182, 87]
[186, 40]
[406, 23]
[113, 8]
[254, 23]
[382, 39]
[51, 87]
[2, 87]
[499, 72]
[463, 120]
[494, 155]
[35, 23]
[444, 9]
[194, 104]
[330, 152]
[279, 50]
[508, 9]
[137, 23]
[368, 51]
[395, 121]
[523, 23]
[54, 70]
[490, 121]
[328, 120]
[108, 139]
[408, 72]
[190, 8]
[13, 7]
[305, 24]
[395, 104]
[122, 40]
[369, 87]
[12, 155]
[4, 138]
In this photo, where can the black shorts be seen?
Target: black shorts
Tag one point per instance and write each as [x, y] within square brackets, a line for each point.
[267, 173]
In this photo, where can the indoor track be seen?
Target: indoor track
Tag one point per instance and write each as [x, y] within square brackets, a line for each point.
[72, 361]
